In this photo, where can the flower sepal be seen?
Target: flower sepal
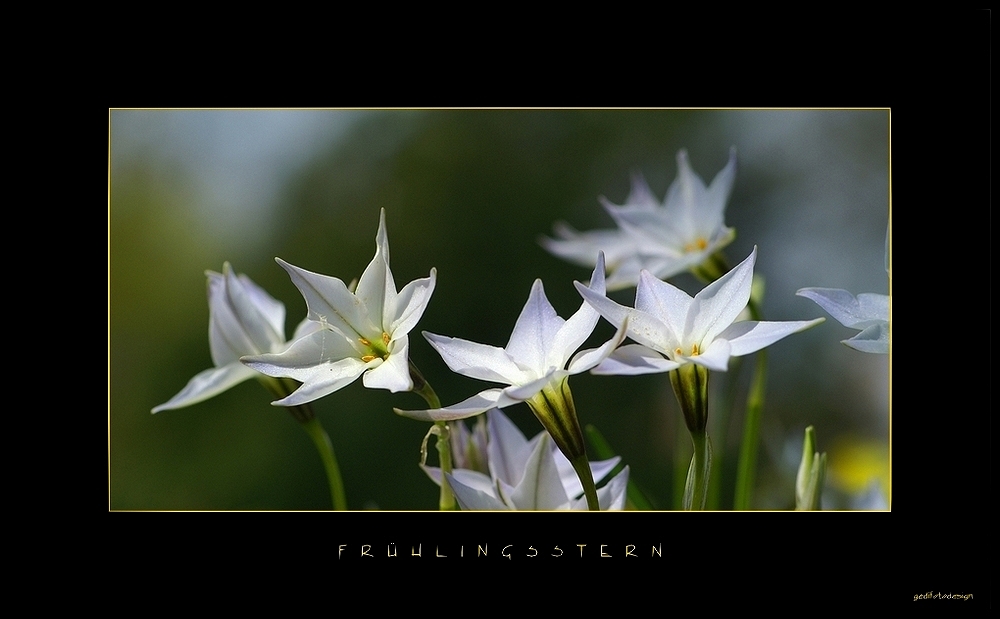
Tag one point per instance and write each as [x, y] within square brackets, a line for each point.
[553, 407]
[690, 383]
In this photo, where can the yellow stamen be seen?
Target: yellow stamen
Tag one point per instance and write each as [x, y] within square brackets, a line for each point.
[368, 358]
[364, 342]
[694, 351]
[698, 245]
[385, 338]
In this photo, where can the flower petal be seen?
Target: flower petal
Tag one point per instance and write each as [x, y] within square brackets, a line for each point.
[476, 405]
[264, 315]
[520, 393]
[376, 289]
[207, 384]
[873, 339]
[322, 361]
[331, 303]
[588, 359]
[540, 487]
[612, 496]
[325, 379]
[750, 336]
[857, 313]
[410, 305]
[709, 215]
[685, 197]
[640, 195]
[470, 493]
[475, 360]
[669, 304]
[227, 339]
[575, 331]
[320, 346]
[642, 327]
[535, 328]
[633, 360]
[718, 304]
[507, 448]
[582, 247]
[652, 232]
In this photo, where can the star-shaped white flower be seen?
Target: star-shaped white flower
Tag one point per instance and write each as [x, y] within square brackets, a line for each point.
[671, 328]
[537, 355]
[677, 236]
[243, 320]
[529, 475]
[868, 313]
[355, 333]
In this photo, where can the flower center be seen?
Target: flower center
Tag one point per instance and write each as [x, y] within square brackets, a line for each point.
[378, 349]
[698, 244]
[694, 351]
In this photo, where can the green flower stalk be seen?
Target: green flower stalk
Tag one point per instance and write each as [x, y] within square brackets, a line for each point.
[812, 471]
[442, 435]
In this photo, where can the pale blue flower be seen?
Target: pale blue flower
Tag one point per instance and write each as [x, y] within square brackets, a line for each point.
[354, 332]
[243, 320]
[868, 313]
[665, 239]
[529, 475]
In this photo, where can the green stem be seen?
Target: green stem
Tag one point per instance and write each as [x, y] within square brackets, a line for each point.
[680, 449]
[582, 467]
[446, 501]
[746, 470]
[325, 448]
[304, 414]
[696, 487]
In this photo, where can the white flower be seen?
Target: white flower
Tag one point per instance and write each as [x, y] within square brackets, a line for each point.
[529, 475]
[243, 320]
[673, 329]
[355, 333]
[868, 313]
[534, 359]
[679, 235]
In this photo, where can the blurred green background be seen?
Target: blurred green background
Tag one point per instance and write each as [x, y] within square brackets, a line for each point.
[470, 192]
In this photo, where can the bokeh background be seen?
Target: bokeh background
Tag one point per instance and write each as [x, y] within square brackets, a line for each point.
[470, 192]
